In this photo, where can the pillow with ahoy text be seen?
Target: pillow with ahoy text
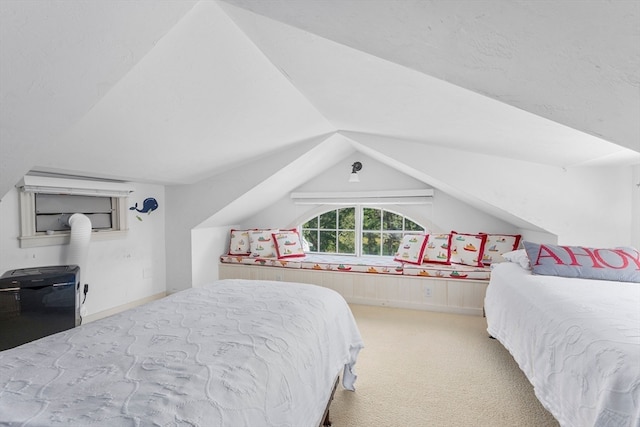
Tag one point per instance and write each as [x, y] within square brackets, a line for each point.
[288, 244]
[616, 264]
[411, 249]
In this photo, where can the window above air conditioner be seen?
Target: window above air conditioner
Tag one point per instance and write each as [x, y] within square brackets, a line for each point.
[47, 202]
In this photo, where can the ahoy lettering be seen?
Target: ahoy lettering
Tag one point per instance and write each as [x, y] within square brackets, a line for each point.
[617, 259]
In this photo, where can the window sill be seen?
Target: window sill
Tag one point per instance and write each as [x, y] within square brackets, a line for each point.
[63, 238]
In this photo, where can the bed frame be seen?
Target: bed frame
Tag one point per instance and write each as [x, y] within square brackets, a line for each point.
[326, 422]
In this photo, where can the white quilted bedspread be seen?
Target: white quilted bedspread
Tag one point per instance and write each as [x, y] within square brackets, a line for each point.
[577, 340]
[233, 353]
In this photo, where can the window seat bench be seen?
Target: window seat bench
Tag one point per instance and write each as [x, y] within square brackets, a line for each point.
[373, 280]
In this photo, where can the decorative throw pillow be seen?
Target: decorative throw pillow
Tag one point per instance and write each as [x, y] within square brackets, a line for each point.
[288, 244]
[498, 244]
[261, 243]
[411, 249]
[617, 264]
[239, 242]
[518, 257]
[438, 249]
[467, 249]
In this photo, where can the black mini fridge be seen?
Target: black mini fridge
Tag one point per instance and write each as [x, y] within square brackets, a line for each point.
[36, 302]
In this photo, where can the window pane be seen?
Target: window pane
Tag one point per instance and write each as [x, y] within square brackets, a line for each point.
[347, 219]
[51, 222]
[53, 211]
[70, 204]
[412, 226]
[59, 222]
[311, 236]
[370, 219]
[391, 221]
[312, 223]
[370, 243]
[391, 242]
[327, 241]
[328, 221]
[335, 231]
[347, 242]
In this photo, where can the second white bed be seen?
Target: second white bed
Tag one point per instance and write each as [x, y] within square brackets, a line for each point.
[577, 341]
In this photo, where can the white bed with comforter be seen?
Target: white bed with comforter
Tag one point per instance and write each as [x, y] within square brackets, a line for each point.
[577, 340]
[232, 353]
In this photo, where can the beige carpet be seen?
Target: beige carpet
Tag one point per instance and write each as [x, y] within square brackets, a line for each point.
[421, 368]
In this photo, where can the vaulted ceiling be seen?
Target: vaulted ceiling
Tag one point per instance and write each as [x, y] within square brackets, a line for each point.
[175, 91]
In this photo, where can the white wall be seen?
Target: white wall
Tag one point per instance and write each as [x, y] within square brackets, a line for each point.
[582, 205]
[230, 197]
[118, 271]
[207, 244]
[443, 214]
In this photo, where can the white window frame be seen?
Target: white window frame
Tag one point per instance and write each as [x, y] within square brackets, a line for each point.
[29, 186]
[403, 232]
[355, 230]
[358, 226]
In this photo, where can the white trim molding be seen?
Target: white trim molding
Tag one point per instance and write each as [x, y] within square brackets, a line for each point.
[394, 197]
[53, 185]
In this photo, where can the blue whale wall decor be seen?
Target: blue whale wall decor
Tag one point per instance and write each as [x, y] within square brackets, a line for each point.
[149, 205]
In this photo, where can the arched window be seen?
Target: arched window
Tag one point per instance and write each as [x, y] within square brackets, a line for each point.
[358, 231]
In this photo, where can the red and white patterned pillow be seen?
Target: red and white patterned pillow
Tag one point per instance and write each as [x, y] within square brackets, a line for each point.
[288, 244]
[438, 249]
[411, 249]
[262, 244]
[467, 249]
[239, 242]
[498, 244]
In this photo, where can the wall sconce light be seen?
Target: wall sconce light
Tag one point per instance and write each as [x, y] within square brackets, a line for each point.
[357, 166]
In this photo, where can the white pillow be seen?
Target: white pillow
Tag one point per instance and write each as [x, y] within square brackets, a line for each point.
[519, 257]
